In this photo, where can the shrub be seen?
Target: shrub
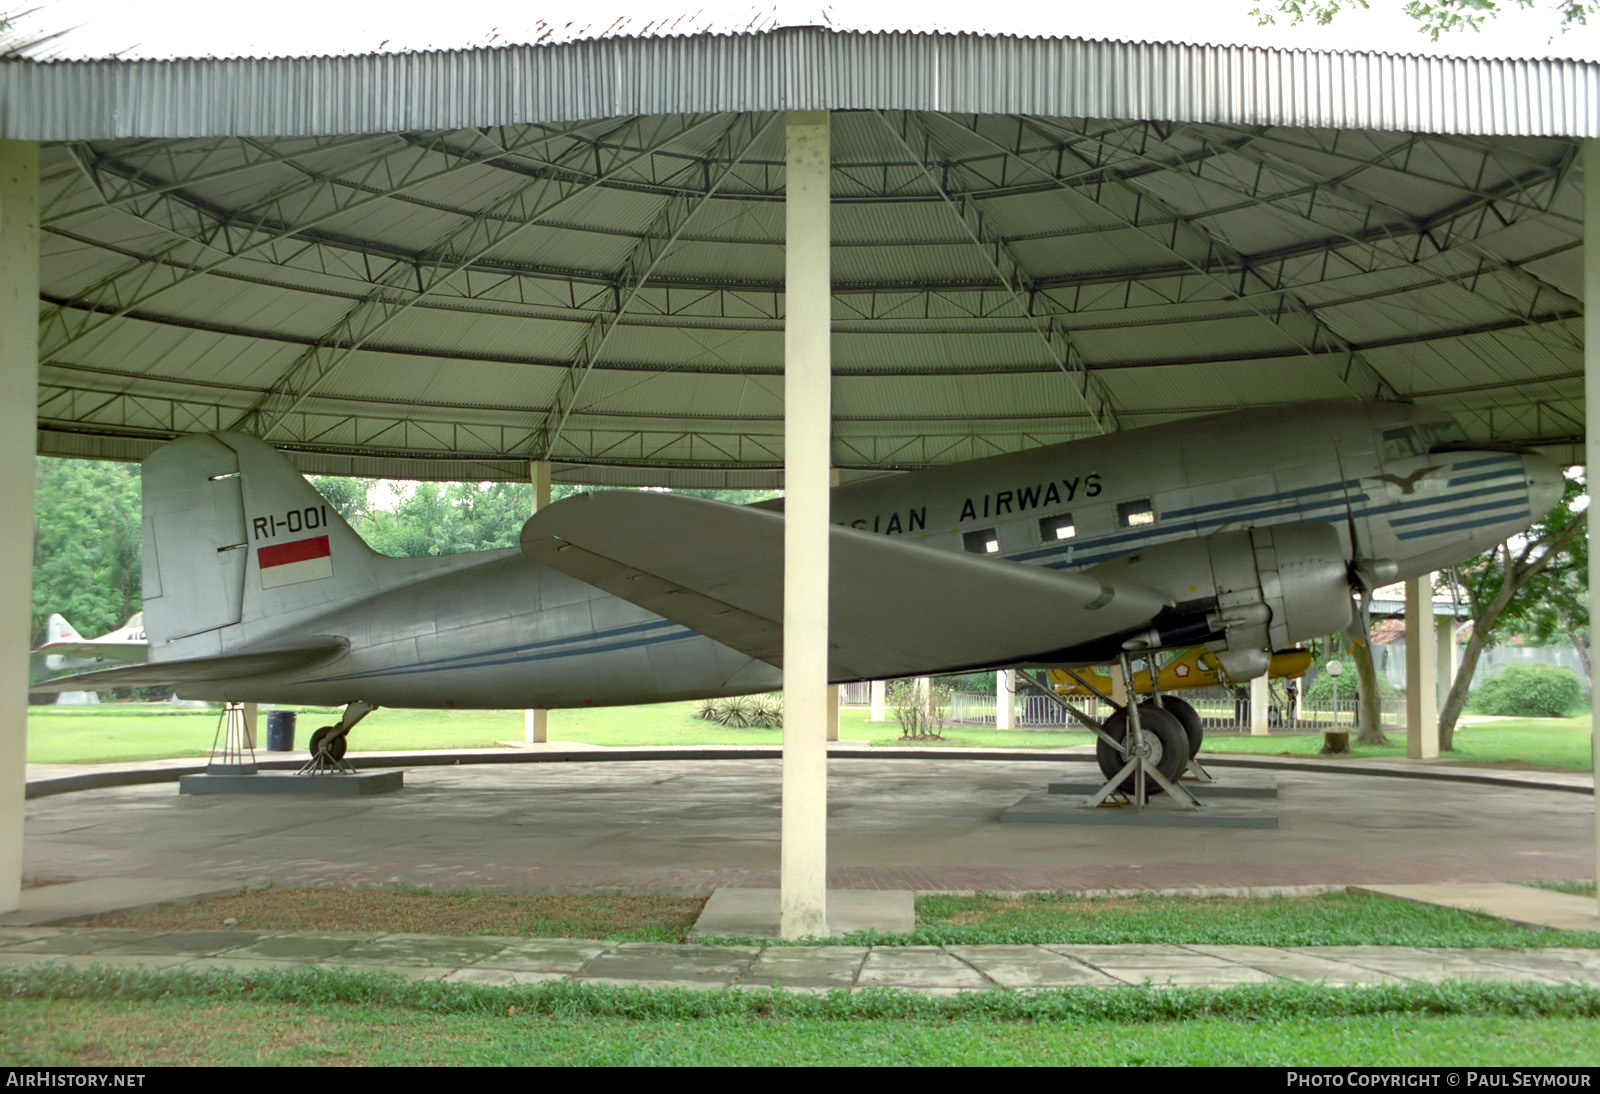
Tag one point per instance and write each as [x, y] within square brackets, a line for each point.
[1528, 691]
[1320, 690]
[744, 711]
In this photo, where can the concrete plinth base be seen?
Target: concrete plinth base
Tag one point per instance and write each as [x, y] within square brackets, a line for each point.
[286, 782]
[1242, 800]
[754, 912]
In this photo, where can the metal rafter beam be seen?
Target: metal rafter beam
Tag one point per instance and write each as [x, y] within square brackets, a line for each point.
[1009, 271]
[121, 179]
[1199, 248]
[1405, 230]
[452, 253]
[194, 251]
[743, 131]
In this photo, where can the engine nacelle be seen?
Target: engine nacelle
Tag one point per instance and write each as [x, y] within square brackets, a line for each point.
[1257, 590]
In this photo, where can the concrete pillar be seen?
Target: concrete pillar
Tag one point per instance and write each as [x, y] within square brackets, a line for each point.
[249, 712]
[1005, 699]
[1445, 641]
[880, 701]
[807, 464]
[1591, 403]
[833, 712]
[1260, 704]
[19, 381]
[536, 723]
[1422, 689]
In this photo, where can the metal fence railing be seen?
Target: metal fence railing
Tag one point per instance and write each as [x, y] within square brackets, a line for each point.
[1219, 708]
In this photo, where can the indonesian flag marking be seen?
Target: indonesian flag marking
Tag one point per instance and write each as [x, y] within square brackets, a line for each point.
[292, 563]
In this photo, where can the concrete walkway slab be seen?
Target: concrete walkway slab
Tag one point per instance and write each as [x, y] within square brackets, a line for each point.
[661, 963]
[936, 970]
[1525, 904]
[923, 968]
[1030, 967]
[794, 968]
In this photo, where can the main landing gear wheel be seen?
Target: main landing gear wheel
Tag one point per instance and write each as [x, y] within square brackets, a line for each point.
[1164, 738]
[1187, 716]
[336, 746]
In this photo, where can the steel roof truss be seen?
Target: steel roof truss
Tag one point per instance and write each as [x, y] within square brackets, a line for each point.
[453, 252]
[1011, 274]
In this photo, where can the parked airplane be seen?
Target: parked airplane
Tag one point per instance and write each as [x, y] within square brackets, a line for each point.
[64, 648]
[1243, 533]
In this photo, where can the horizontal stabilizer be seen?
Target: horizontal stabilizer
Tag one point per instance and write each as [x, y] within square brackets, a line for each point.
[896, 608]
[204, 670]
[131, 652]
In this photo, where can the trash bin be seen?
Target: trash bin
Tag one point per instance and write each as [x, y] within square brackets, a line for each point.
[280, 731]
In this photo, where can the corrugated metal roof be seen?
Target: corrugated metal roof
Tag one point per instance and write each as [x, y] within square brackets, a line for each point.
[796, 68]
[1010, 216]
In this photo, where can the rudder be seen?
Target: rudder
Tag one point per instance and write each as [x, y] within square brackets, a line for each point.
[238, 545]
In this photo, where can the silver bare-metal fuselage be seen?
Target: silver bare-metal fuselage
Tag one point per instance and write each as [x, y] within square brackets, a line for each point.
[498, 630]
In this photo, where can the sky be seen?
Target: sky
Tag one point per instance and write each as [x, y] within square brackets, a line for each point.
[198, 28]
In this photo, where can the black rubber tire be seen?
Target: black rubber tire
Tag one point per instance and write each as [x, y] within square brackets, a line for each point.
[1188, 717]
[1164, 734]
[336, 747]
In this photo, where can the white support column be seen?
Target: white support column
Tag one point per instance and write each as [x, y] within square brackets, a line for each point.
[807, 463]
[1005, 699]
[1260, 704]
[250, 712]
[536, 723]
[19, 380]
[833, 689]
[1591, 405]
[1422, 689]
[880, 701]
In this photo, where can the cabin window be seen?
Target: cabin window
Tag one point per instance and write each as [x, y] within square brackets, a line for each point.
[1054, 528]
[981, 542]
[1399, 444]
[1136, 514]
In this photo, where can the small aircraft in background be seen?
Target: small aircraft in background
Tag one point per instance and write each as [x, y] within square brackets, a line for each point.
[1239, 534]
[64, 648]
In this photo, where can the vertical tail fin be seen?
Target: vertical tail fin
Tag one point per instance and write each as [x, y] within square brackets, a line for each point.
[237, 545]
[57, 629]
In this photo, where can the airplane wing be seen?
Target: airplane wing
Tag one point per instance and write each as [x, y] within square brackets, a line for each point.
[896, 608]
[199, 670]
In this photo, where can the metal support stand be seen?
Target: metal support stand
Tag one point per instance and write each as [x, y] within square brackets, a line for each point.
[1138, 764]
[325, 764]
[232, 751]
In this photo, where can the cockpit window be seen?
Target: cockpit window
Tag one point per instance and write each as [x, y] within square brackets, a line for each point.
[1441, 434]
[1399, 444]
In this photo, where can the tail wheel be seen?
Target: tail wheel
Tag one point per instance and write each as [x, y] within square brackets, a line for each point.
[336, 746]
[1166, 743]
[1187, 716]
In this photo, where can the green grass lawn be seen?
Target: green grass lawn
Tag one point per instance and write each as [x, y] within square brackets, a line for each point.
[120, 732]
[56, 1016]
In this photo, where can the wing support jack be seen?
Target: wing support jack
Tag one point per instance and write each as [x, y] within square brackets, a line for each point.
[1132, 754]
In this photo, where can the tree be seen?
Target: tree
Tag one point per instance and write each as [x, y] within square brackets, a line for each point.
[1510, 584]
[1434, 17]
[1369, 701]
[1562, 613]
[87, 554]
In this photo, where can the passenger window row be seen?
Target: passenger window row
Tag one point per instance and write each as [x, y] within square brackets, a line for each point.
[1130, 514]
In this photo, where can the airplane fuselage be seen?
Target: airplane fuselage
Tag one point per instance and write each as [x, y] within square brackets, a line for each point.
[498, 630]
